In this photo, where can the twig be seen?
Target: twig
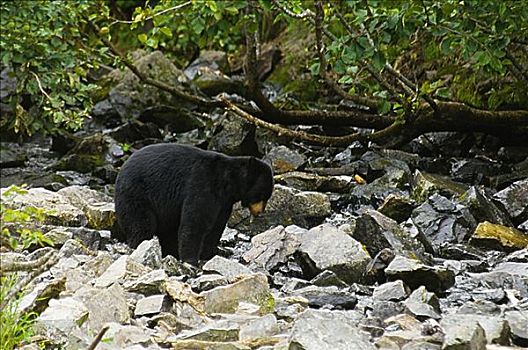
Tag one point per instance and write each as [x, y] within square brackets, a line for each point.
[40, 85]
[303, 15]
[98, 338]
[177, 7]
[51, 259]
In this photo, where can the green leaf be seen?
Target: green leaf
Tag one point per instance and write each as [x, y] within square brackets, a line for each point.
[384, 107]
[142, 38]
[378, 60]
[166, 31]
[314, 68]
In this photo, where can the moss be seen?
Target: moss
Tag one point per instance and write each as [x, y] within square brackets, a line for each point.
[267, 305]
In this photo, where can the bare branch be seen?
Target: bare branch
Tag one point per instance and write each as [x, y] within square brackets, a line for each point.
[98, 338]
[40, 86]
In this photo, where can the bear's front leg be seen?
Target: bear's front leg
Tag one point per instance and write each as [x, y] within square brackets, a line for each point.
[198, 218]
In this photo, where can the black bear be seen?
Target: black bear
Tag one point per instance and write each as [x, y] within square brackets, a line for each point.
[185, 195]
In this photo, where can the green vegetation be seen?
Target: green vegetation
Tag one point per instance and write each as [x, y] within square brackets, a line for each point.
[15, 328]
[20, 226]
[397, 54]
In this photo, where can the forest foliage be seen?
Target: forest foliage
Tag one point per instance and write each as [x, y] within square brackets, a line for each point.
[393, 55]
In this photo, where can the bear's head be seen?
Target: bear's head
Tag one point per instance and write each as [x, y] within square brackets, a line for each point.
[259, 186]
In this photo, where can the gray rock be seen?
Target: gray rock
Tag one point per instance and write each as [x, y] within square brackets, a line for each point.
[104, 305]
[327, 247]
[384, 309]
[10, 158]
[72, 247]
[421, 345]
[175, 267]
[393, 291]
[37, 299]
[119, 270]
[213, 60]
[328, 278]
[212, 333]
[332, 330]
[58, 209]
[228, 268]
[518, 321]
[327, 296]
[232, 135]
[285, 159]
[442, 220]
[507, 275]
[129, 337]
[397, 207]
[514, 198]
[374, 193]
[286, 206]
[425, 185]
[496, 328]
[261, 327]
[130, 96]
[377, 232]
[62, 315]
[148, 253]
[151, 283]
[414, 274]
[313, 182]
[153, 304]
[207, 282]
[58, 236]
[251, 289]
[423, 304]
[483, 208]
[98, 207]
[463, 335]
[272, 248]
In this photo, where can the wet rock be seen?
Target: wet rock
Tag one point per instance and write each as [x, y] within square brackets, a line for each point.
[483, 208]
[423, 304]
[230, 269]
[153, 304]
[147, 284]
[414, 274]
[313, 182]
[130, 96]
[474, 170]
[285, 159]
[134, 131]
[119, 270]
[271, 248]
[11, 158]
[286, 206]
[148, 253]
[393, 291]
[251, 289]
[214, 60]
[498, 237]
[332, 296]
[442, 220]
[518, 323]
[58, 209]
[468, 335]
[321, 330]
[397, 207]
[327, 247]
[98, 207]
[374, 193]
[233, 136]
[86, 156]
[173, 119]
[513, 199]
[62, 316]
[97, 301]
[377, 232]
[426, 184]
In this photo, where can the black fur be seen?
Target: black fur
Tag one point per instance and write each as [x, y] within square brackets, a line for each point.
[185, 195]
